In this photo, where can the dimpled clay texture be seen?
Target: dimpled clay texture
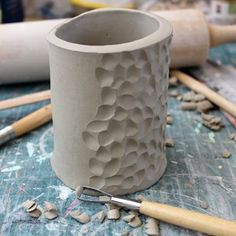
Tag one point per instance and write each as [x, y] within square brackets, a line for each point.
[127, 132]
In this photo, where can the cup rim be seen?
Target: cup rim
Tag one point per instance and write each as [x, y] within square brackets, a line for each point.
[163, 31]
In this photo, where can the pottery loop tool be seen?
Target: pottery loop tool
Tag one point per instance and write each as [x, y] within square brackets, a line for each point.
[181, 217]
[26, 124]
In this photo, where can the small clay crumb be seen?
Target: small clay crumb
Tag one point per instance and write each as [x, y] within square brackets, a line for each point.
[36, 213]
[82, 218]
[136, 222]
[133, 213]
[204, 205]
[104, 198]
[173, 81]
[101, 216]
[140, 198]
[207, 117]
[198, 98]
[233, 136]
[50, 211]
[75, 214]
[174, 93]
[128, 218]
[212, 122]
[79, 191]
[204, 106]
[169, 142]
[113, 214]
[188, 106]
[169, 120]
[30, 205]
[188, 97]
[110, 206]
[152, 227]
[226, 154]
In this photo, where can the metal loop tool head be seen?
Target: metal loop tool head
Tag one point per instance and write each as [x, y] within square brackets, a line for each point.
[89, 194]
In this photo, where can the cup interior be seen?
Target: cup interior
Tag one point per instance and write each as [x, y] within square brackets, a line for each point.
[107, 28]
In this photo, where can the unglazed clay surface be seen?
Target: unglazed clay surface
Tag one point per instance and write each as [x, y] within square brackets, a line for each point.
[126, 134]
[110, 127]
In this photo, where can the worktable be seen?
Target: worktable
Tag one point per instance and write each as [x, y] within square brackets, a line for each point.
[196, 175]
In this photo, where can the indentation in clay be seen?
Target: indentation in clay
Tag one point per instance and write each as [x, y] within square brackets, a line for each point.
[116, 131]
[148, 113]
[131, 145]
[120, 114]
[141, 59]
[132, 74]
[103, 155]
[131, 128]
[127, 60]
[90, 141]
[126, 88]
[127, 102]
[97, 126]
[108, 96]
[109, 61]
[117, 150]
[115, 180]
[112, 168]
[104, 77]
[128, 182]
[105, 138]
[136, 115]
[130, 159]
[97, 182]
[105, 112]
[96, 166]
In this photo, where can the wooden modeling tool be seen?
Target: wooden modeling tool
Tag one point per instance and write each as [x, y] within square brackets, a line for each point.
[199, 87]
[26, 99]
[26, 124]
[177, 216]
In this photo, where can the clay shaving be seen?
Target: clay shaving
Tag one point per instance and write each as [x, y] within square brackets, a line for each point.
[50, 211]
[169, 142]
[212, 122]
[31, 208]
[101, 216]
[173, 81]
[174, 93]
[136, 222]
[79, 191]
[128, 218]
[82, 218]
[188, 106]
[113, 214]
[152, 227]
[233, 136]
[226, 154]
[169, 120]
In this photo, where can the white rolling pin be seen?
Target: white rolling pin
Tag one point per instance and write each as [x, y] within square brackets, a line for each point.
[23, 46]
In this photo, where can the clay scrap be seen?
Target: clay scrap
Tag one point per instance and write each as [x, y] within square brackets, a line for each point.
[169, 142]
[212, 122]
[32, 209]
[152, 227]
[82, 218]
[50, 211]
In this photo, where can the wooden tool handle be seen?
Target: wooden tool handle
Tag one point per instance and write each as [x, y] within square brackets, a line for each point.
[222, 34]
[188, 219]
[33, 120]
[26, 99]
[207, 92]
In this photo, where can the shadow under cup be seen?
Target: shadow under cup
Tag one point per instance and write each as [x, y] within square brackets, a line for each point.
[109, 80]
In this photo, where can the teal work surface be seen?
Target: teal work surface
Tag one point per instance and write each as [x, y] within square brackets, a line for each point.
[197, 177]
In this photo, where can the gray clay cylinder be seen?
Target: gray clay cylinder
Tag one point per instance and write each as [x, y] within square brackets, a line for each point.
[109, 79]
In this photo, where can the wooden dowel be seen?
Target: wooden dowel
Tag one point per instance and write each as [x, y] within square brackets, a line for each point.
[33, 120]
[198, 87]
[26, 99]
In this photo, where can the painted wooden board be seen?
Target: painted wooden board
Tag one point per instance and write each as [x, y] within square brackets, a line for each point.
[196, 174]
